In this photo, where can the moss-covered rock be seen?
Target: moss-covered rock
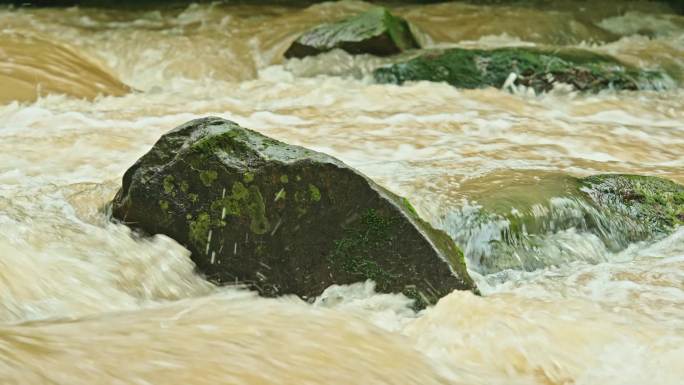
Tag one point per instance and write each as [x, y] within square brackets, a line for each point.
[655, 204]
[527, 222]
[375, 32]
[283, 219]
[535, 68]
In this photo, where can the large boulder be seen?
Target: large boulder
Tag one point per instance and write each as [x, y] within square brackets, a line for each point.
[527, 221]
[535, 68]
[375, 32]
[283, 219]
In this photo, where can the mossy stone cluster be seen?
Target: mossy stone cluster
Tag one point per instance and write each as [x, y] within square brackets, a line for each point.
[376, 32]
[283, 219]
[535, 68]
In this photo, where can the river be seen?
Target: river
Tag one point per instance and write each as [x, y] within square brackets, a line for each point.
[86, 301]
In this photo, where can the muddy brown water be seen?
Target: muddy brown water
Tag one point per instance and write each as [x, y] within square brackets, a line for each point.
[84, 93]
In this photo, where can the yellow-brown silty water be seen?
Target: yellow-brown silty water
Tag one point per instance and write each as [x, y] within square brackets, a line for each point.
[85, 301]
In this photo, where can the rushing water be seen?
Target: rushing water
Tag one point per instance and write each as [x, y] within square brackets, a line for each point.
[85, 301]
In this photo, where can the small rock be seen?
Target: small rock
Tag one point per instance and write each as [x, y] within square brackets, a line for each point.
[375, 32]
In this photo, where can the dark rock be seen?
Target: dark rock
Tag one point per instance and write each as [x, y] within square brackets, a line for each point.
[283, 219]
[375, 32]
[535, 68]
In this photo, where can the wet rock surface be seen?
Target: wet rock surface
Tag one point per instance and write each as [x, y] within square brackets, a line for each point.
[531, 222]
[655, 204]
[283, 219]
[375, 32]
[534, 68]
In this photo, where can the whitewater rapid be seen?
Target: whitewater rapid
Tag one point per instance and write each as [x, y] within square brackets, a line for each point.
[84, 300]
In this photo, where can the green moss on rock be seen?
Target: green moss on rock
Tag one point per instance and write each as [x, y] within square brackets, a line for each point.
[199, 230]
[168, 184]
[208, 177]
[535, 68]
[529, 220]
[244, 202]
[164, 205]
[184, 186]
[409, 206]
[314, 193]
[653, 202]
[375, 32]
[351, 253]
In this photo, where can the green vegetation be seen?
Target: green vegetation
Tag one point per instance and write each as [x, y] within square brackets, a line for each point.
[535, 68]
[244, 202]
[353, 252]
[656, 203]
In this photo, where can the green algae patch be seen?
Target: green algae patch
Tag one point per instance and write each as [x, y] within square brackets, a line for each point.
[301, 202]
[164, 205]
[535, 68]
[375, 32]
[244, 202]
[199, 230]
[208, 177]
[407, 204]
[168, 184]
[656, 204]
[283, 219]
[281, 194]
[356, 253]
[184, 186]
[351, 253]
[314, 193]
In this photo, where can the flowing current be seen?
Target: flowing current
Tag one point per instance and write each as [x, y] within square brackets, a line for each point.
[86, 301]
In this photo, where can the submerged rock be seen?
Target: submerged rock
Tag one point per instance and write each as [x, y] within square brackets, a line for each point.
[529, 67]
[527, 222]
[375, 32]
[656, 205]
[283, 219]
